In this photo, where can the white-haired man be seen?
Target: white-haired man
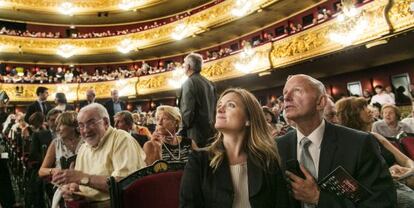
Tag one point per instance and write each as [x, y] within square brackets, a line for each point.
[321, 147]
[90, 98]
[106, 152]
[197, 102]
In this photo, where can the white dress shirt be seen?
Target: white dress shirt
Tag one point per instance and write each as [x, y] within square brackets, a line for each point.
[315, 148]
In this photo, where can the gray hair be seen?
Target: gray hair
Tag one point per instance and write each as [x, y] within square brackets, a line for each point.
[195, 61]
[314, 83]
[90, 92]
[127, 116]
[98, 108]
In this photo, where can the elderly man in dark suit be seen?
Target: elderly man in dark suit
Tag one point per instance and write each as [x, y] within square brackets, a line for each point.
[197, 102]
[114, 106]
[90, 98]
[321, 147]
[40, 105]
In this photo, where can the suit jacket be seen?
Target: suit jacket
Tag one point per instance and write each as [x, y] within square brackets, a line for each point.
[356, 151]
[203, 188]
[109, 105]
[83, 104]
[198, 106]
[35, 107]
[39, 139]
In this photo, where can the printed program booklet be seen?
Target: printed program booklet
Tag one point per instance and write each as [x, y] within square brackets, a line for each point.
[342, 184]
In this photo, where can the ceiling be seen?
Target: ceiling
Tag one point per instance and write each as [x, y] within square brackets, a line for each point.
[324, 66]
[162, 9]
[215, 36]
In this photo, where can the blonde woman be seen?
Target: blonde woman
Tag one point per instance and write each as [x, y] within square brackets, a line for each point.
[165, 144]
[240, 168]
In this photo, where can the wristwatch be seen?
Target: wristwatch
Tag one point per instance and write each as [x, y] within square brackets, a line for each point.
[84, 181]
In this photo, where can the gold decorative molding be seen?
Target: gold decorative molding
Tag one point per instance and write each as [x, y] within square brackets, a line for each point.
[82, 6]
[198, 23]
[315, 41]
[401, 16]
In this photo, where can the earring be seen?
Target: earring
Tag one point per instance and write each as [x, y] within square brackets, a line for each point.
[247, 123]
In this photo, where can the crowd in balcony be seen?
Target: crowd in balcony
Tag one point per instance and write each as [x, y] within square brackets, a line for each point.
[77, 74]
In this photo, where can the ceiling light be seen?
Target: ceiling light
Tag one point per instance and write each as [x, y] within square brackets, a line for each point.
[180, 32]
[348, 37]
[66, 8]
[178, 78]
[66, 50]
[72, 27]
[128, 4]
[241, 8]
[126, 45]
[265, 73]
[376, 43]
[412, 6]
[246, 67]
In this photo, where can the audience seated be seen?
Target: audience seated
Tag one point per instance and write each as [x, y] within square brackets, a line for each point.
[391, 125]
[123, 120]
[106, 152]
[165, 144]
[271, 121]
[399, 164]
[381, 97]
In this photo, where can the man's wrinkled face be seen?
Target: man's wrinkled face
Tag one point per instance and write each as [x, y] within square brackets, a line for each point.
[92, 128]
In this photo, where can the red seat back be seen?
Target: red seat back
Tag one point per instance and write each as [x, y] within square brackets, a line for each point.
[408, 145]
[160, 190]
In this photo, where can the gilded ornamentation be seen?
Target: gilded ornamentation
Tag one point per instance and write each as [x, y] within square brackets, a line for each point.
[148, 38]
[155, 81]
[315, 41]
[401, 16]
[81, 6]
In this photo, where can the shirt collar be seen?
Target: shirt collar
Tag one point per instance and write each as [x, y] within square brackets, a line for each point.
[316, 136]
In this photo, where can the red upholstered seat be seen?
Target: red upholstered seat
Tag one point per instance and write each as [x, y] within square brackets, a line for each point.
[408, 145]
[160, 190]
[156, 186]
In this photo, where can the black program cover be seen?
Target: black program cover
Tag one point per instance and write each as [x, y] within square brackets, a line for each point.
[341, 183]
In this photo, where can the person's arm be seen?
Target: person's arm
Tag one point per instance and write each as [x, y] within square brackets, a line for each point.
[47, 165]
[191, 194]
[401, 159]
[187, 107]
[193, 145]
[68, 176]
[152, 152]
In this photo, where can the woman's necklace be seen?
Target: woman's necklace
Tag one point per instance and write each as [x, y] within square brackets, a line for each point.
[169, 151]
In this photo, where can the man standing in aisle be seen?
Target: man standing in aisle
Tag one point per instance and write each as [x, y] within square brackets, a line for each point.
[114, 105]
[40, 105]
[90, 98]
[197, 102]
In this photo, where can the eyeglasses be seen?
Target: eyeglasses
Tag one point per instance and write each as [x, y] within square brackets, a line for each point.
[89, 124]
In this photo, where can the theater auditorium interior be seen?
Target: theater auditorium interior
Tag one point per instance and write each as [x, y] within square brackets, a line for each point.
[138, 58]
